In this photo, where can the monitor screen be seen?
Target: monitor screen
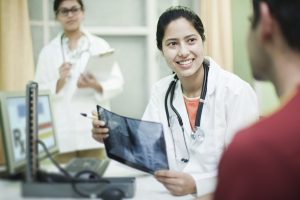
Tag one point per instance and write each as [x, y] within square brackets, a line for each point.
[13, 128]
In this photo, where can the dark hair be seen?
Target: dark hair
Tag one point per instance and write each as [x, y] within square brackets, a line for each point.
[172, 14]
[286, 12]
[58, 2]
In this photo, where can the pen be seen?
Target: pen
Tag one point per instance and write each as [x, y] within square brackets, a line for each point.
[111, 51]
[88, 116]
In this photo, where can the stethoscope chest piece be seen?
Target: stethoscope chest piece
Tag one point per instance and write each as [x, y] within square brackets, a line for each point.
[198, 135]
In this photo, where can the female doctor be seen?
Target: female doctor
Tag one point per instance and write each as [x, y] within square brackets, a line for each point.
[200, 106]
[61, 69]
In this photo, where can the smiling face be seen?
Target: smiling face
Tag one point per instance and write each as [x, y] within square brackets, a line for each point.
[182, 48]
[70, 15]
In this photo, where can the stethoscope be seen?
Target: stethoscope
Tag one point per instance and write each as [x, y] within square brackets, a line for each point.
[86, 50]
[198, 134]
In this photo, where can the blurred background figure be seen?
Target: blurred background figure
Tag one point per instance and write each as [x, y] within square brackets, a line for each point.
[61, 68]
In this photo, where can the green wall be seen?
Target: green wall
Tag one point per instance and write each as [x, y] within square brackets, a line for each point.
[241, 11]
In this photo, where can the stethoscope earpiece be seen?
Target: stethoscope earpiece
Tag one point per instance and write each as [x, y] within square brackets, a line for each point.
[184, 160]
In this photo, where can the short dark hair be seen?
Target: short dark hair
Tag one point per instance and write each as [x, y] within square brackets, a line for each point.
[172, 14]
[286, 12]
[57, 3]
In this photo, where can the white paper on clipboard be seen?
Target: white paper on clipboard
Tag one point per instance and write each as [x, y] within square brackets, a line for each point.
[101, 65]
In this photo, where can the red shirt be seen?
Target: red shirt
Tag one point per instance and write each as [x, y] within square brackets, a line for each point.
[263, 161]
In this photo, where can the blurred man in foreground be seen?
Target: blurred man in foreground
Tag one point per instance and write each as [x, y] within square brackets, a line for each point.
[263, 161]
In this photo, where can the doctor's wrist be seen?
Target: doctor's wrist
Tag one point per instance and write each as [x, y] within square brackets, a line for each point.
[60, 84]
[98, 88]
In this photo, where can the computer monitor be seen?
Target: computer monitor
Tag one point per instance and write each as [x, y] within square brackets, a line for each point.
[13, 128]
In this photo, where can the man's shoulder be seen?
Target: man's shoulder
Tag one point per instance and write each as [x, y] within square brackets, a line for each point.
[251, 141]
[262, 139]
[273, 129]
[259, 156]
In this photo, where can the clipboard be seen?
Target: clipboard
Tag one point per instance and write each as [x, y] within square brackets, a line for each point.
[101, 65]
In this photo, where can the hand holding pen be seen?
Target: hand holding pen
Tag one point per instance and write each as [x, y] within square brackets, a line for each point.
[92, 117]
[99, 131]
[64, 74]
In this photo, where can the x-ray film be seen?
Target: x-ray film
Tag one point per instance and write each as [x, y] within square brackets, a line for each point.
[136, 143]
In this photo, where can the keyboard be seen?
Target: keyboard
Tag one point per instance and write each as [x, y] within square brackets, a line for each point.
[92, 164]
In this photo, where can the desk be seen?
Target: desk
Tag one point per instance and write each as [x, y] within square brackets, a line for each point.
[147, 188]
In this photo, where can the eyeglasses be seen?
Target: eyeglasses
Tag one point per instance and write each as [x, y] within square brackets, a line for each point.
[65, 11]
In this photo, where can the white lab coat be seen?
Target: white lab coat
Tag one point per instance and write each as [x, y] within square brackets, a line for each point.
[73, 132]
[230, 104]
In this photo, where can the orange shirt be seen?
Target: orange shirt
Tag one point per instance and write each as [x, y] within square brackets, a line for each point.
[191, 105]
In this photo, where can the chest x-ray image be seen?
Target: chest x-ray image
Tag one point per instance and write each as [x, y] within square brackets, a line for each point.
[136, 143]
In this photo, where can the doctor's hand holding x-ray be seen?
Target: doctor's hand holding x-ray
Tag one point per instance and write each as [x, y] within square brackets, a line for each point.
[200, 106]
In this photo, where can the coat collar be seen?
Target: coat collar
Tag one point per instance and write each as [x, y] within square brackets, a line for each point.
[178, 101]
[83, 30]
[214, 70]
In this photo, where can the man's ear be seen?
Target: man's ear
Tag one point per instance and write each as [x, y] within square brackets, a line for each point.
[266, 22]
